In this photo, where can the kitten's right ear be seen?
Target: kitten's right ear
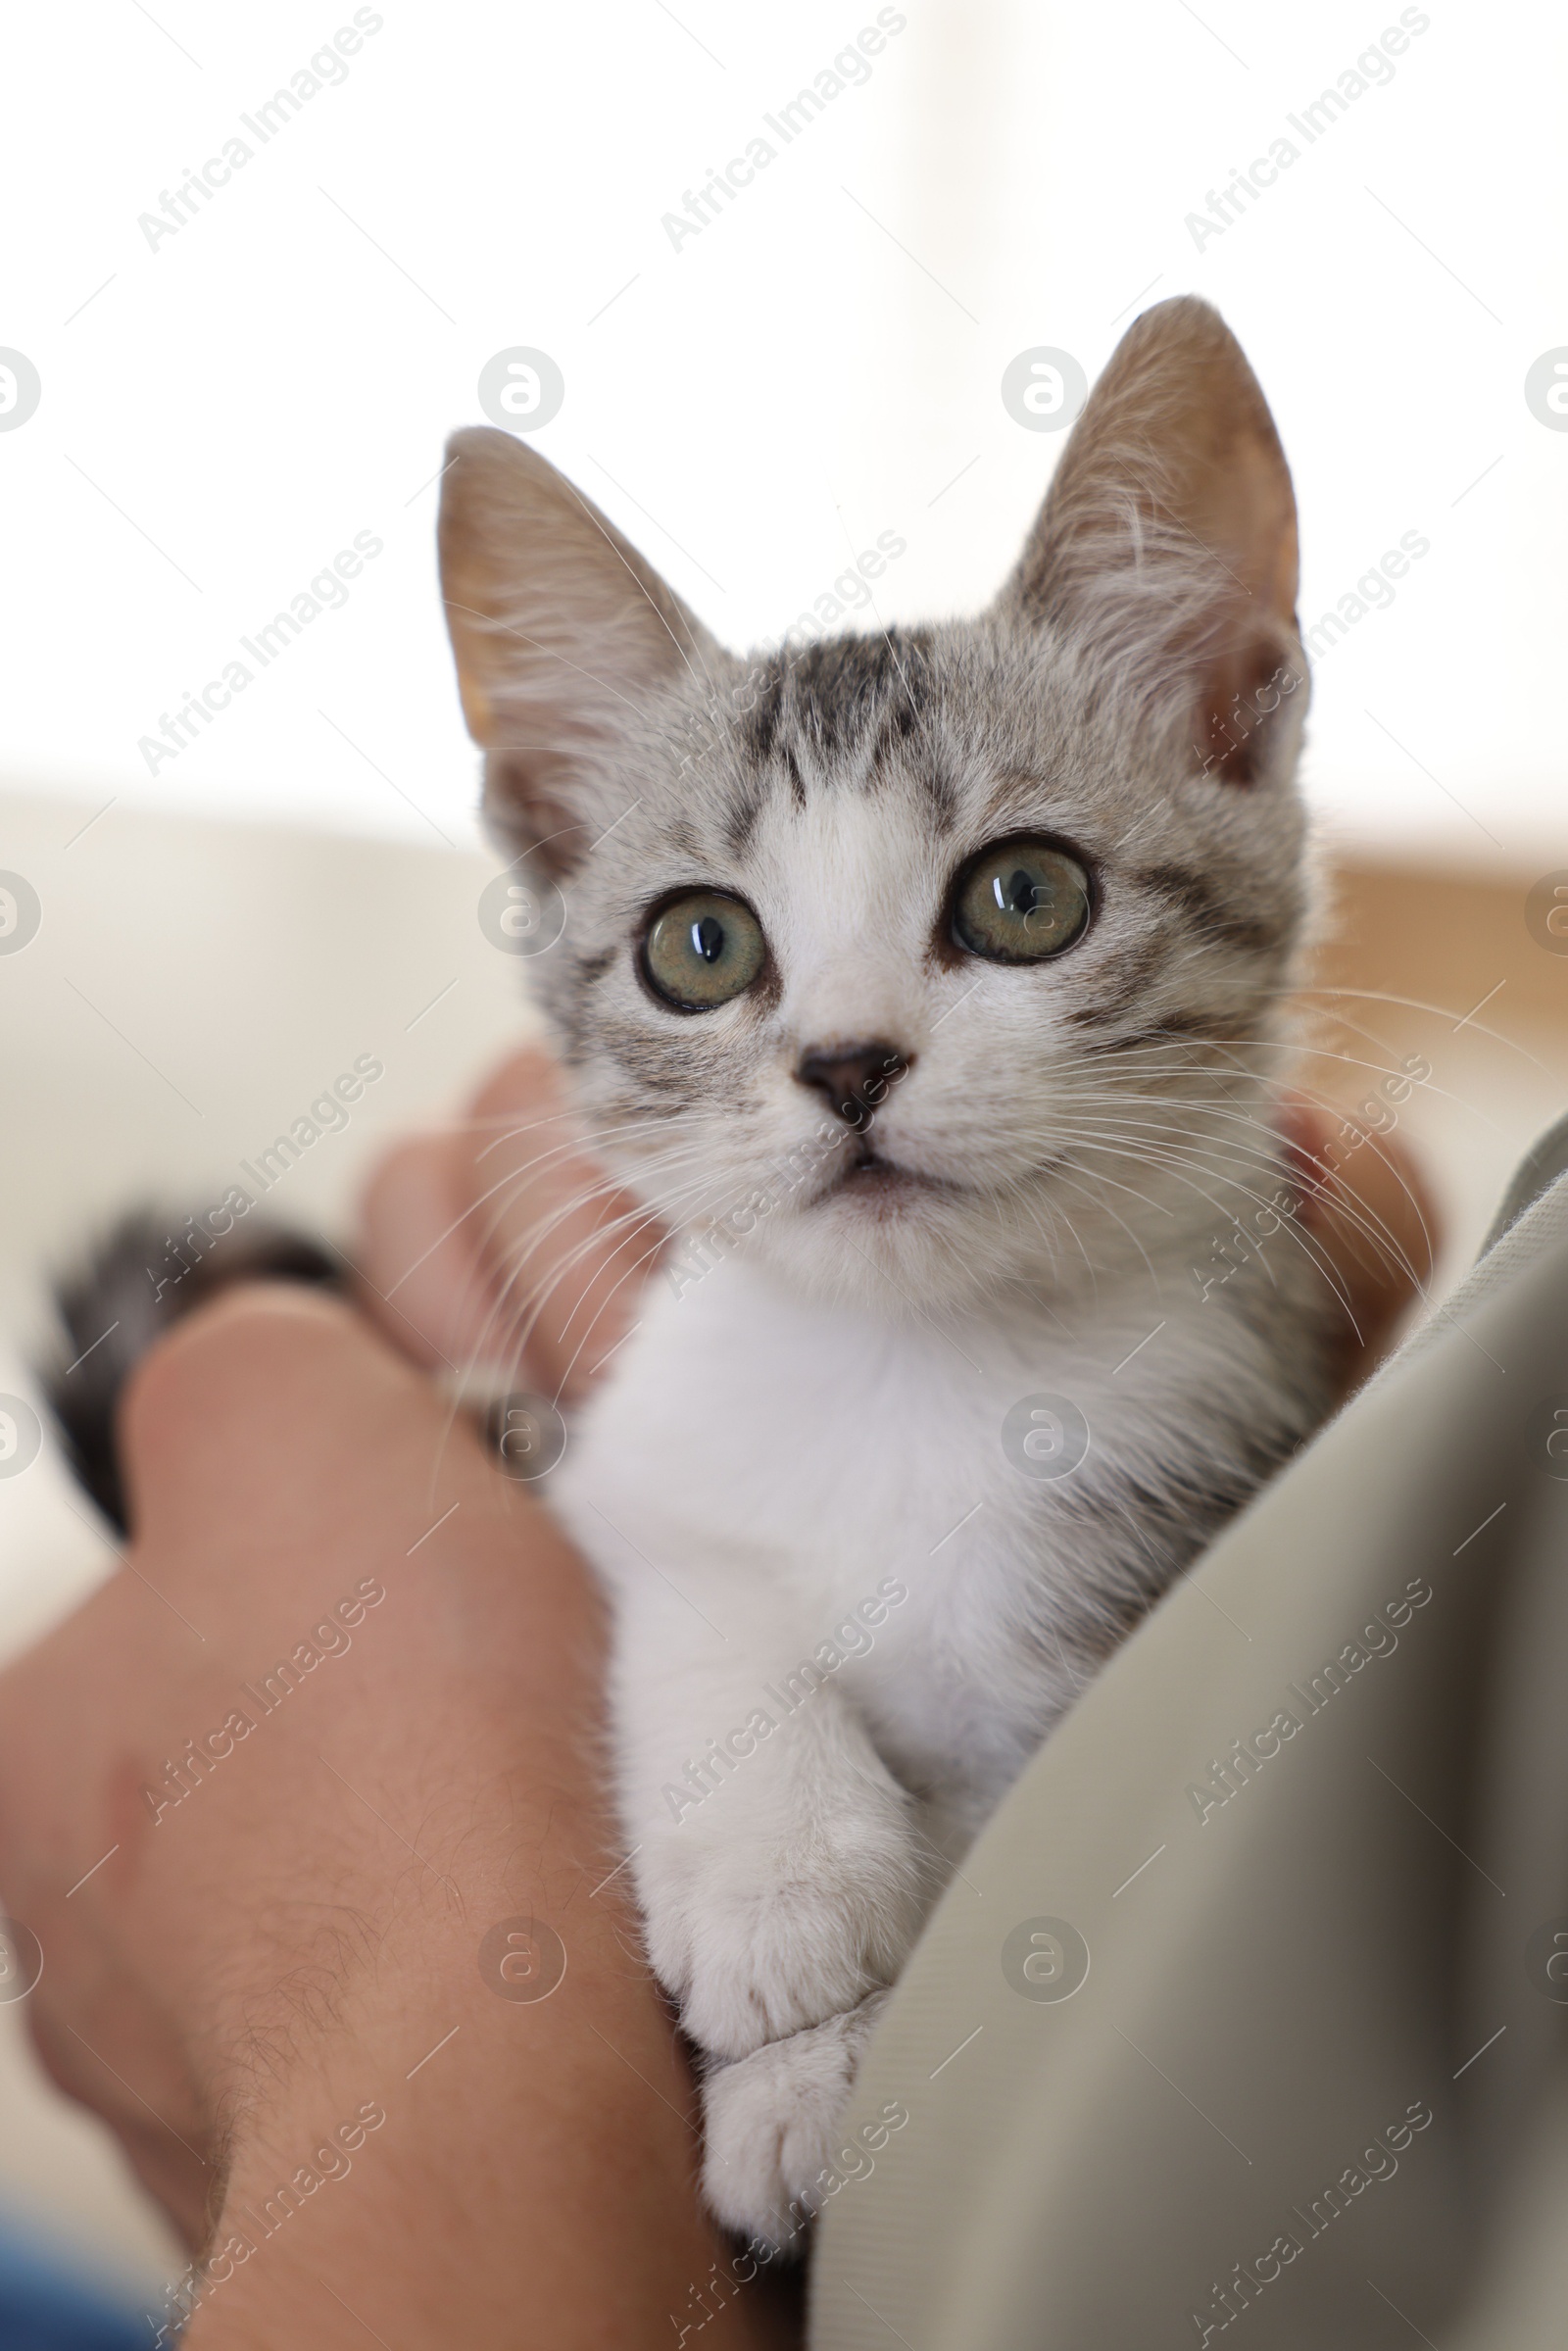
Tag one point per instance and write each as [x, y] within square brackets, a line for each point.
[561, 634]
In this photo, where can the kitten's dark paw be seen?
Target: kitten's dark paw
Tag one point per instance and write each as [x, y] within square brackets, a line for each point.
[146, 1276]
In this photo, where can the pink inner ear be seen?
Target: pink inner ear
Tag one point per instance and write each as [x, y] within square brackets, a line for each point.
[1232, 723]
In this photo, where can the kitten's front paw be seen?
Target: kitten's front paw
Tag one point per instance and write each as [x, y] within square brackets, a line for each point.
[763, 1940]
[772, 2127]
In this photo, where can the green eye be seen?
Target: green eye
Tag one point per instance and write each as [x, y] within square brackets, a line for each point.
[1021, 902]
[704, 948]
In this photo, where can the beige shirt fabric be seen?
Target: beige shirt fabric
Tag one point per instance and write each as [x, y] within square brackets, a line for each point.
[1245, 2022]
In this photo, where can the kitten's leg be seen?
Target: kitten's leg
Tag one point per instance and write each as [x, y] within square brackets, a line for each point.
[795, 1885]
[772, 2127]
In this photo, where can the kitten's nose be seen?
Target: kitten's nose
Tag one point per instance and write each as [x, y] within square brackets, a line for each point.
[856, 1078]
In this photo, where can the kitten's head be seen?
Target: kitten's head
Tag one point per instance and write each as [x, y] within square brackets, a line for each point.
[942, 957]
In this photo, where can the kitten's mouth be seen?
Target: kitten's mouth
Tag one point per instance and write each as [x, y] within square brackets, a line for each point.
[871, 1176]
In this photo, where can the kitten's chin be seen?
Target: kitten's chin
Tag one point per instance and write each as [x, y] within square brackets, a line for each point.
[883, 1237]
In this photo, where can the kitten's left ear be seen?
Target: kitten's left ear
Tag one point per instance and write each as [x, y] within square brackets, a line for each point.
[562, 633]
[1166, 545]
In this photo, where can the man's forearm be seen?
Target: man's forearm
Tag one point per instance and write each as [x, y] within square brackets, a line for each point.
[472, 2169]
[356, 1976]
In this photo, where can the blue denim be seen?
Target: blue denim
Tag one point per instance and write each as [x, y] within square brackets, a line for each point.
[44, 2307]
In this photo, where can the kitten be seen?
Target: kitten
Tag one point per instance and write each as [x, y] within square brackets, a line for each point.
[929, 985]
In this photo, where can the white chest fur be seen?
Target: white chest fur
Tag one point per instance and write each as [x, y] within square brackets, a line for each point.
[761, 1474]
[858, 1567]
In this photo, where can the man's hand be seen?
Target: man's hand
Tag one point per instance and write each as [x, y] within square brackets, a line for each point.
[501, 1238]
[305, 1809]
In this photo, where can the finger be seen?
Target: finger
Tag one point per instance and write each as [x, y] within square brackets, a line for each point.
[565, 1250]
[242, 1412]
[425, 1281]
[1370, 1210]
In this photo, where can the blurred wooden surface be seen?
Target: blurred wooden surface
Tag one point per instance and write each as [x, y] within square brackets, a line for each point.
[1444, 938]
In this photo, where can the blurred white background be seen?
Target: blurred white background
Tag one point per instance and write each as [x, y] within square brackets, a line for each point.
[227, 404]
[224, 407]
